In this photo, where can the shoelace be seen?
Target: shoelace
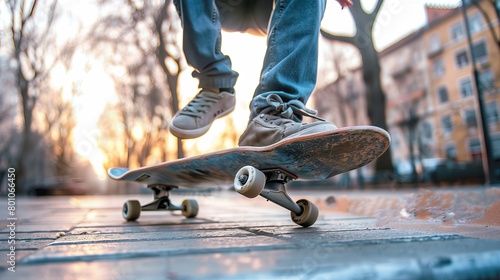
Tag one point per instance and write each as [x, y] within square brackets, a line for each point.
[288, 109]
[200, 104]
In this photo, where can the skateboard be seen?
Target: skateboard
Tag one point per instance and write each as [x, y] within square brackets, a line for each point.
[255, 171]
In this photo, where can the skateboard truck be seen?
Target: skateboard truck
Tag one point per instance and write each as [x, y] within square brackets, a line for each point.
[270, 184]
[275, 191]
[161, 201]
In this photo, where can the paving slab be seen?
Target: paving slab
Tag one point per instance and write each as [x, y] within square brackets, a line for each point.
[238, 238]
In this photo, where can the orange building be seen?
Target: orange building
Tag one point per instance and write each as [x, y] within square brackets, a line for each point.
[432, 107]
[452, 81]
[428, 78]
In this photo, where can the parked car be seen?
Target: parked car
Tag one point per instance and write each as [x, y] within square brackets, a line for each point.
[451, 172]
[423, 167]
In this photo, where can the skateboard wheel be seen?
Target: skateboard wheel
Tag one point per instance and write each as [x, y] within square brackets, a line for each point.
[131, 210]
[190, 208]
[249, 181]
[309, 213]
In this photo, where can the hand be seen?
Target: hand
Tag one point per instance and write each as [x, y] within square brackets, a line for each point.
[345, 3]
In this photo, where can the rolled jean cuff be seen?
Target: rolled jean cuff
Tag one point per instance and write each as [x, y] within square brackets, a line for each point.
[217, 82]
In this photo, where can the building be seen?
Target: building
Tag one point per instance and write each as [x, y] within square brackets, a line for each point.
[410, 108]
[429, 81]
[432, 107]
[452, 81]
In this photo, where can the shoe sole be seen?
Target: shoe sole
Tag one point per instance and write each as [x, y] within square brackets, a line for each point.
[195, 133]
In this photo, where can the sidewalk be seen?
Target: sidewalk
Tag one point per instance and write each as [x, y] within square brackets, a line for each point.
[359, 235]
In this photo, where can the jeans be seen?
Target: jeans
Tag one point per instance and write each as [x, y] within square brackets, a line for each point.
[291, 60]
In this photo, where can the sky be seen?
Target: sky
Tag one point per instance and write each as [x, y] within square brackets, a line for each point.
[396, 18]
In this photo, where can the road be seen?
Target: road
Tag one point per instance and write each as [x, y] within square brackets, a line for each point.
[359, 235]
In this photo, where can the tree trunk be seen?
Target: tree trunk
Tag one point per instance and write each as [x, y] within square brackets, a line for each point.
[375, 96]
[376, 99]
[27, 103]
[172, 78]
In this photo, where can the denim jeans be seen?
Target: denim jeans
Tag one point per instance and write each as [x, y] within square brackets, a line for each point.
[291, 60]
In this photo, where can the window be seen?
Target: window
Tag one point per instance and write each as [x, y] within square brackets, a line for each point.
[461, 59]
[475, 23]
[466, 87]
[479, 51]
[492, 114]
[426, 130]
[457, 32]
[475, 149]
[470, 118]
[438, 68]
[446, 124]
[434, 44]
[443, 94]
[450, 151]
[486, 79]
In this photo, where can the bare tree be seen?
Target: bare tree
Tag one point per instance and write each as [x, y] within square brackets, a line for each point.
[143, 119]
[34, 53]
[363, 40]
[134, 131]
[169, 55]
[57, 122]
[8, 130]
[167, 48]
[157, 19]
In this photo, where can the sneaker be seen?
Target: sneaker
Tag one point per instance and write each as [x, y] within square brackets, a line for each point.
[276, 123]
[197, 117]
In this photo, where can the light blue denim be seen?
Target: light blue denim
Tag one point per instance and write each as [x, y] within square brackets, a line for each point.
[291, 61]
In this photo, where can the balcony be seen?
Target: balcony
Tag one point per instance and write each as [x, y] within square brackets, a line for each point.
[401, 70]
[435, 51]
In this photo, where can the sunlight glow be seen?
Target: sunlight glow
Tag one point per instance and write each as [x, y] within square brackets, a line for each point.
[137, 132]
[93, 91]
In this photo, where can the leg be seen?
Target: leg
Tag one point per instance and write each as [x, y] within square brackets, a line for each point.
[202, 43]
[288, 75]
[290, 64]
[202, 48]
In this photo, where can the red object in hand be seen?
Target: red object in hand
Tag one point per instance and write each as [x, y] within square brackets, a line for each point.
[345, 3]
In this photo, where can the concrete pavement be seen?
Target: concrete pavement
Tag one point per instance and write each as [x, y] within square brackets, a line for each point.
[238, 238]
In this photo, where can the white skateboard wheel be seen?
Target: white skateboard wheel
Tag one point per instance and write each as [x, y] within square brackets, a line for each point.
[309, 214]
[131, 210]
[249, 181]
[190, 208]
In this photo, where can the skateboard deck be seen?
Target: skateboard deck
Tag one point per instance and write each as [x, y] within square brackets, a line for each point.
[310, 157]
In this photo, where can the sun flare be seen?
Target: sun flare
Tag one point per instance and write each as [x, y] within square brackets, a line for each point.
[94, 91]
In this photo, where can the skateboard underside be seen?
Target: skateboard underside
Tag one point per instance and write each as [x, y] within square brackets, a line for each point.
[310, 157]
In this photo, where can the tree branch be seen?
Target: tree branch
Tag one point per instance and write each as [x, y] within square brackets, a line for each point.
[32, 11]
[333, 37]
[377, 8]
